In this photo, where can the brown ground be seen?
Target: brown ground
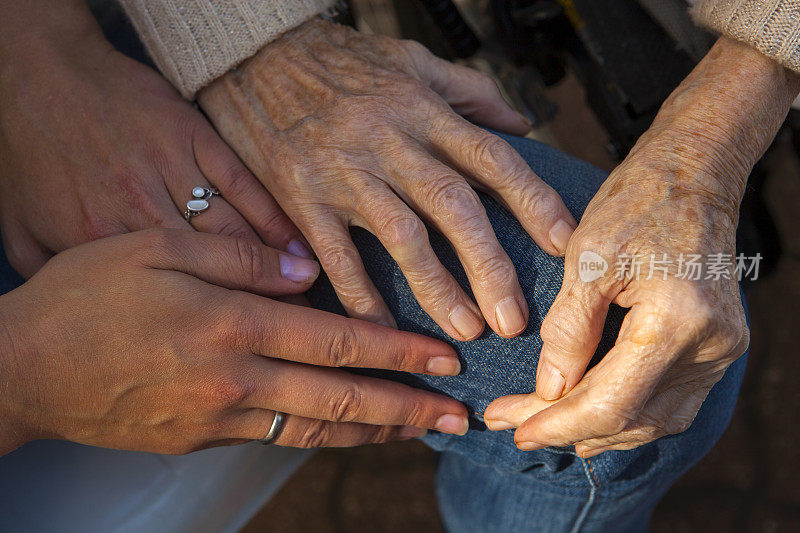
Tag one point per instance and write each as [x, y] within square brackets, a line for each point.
[747, 483]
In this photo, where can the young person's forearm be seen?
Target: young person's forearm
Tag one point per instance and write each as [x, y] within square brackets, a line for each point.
[28, 26]
[13, 432]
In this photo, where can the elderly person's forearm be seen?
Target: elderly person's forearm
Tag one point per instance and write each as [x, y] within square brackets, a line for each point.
[676, 196]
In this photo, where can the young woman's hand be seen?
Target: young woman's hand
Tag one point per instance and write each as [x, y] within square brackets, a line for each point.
[169, 341]
[94, 144]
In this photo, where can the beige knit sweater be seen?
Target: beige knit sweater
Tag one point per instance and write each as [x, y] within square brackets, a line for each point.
[771, 26]
[194, 42]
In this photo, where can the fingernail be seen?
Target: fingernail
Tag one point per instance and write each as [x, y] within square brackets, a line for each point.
[529, 446]
[588, 454]
[468, 325]
[560, 234]
[299, 249]
[298, 269]
[526, 120]
[411, 432]
[443, 366]
[550, 381]
[497, 425]
[510, 319]
[455, 424]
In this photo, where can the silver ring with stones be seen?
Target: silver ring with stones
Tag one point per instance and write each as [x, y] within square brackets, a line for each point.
[199, 201]
[274, 429]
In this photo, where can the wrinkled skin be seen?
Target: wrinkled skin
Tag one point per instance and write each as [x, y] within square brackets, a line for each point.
[347, 129]
[94, 144]
[168, 341]
[678, 192]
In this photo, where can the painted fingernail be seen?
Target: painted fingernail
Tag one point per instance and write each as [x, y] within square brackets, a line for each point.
[510, 319]
[468, 325]
[560, 234]
[455, 424]
[299, 249]
[411, 432]
[550, 381]
[298, 269]
[529, 446]
[443, 366]
[497, 425]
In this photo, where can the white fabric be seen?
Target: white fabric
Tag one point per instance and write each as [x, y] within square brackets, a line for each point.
[54, 486]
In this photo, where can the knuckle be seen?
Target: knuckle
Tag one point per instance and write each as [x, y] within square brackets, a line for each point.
[346, 406]
[453, 199]
[160, 241]
[316, 435]
[539, 202]
[559, 327]
[380, 434]
[236, 328]
[343, 348]
[231, 228]
[494, 268]
[415, 413]
[98, 227]
[608, 419]
[402, 229]
[223, 393]
[252, 260]
[490, 152]
[272, 218]
[338, 258]
[237, 180]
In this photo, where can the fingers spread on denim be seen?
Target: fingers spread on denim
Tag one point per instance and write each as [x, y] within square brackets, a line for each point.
[339, 257]
[453, 207]
[406, 238]
[494, 166]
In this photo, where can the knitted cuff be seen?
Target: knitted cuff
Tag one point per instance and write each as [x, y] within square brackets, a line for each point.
[770, 26]
[194, 42]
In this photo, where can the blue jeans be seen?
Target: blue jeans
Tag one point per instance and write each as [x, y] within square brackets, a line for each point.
[484, 483]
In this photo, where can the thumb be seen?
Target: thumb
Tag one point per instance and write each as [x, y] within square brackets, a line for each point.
[570, 333]
[470, 93]
[229, 262]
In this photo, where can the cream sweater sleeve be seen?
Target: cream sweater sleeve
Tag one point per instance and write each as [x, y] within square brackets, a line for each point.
[194, 42]
[771, 26]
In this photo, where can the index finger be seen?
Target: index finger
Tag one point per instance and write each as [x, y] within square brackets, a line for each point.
[610, 395]
[284, 331]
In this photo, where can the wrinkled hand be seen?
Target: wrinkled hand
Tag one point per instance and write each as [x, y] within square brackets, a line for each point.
[348, 129]
[147, 341]
[675, 196]
[94, 144]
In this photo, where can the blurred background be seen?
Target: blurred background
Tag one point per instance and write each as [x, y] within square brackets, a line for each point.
[591, 75]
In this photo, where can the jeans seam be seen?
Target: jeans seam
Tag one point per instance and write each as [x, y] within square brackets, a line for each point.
[581, 519]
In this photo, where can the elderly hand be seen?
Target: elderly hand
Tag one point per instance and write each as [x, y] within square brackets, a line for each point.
[676, 196]
[148, 341]
[348, 129]
[94, 144]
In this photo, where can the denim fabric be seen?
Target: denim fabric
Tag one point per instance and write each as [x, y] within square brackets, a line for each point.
[484, 482]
